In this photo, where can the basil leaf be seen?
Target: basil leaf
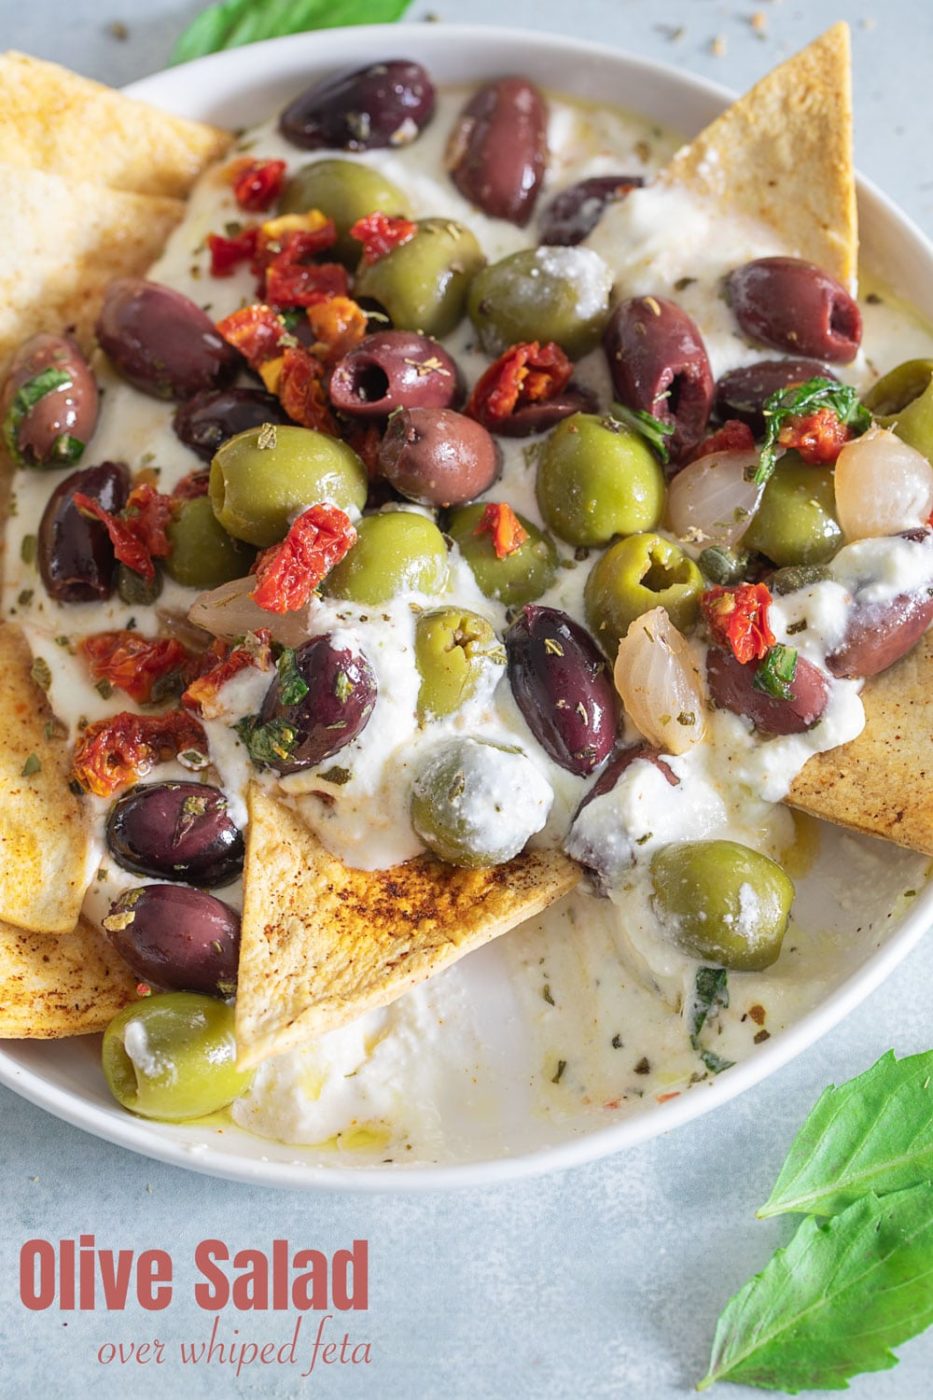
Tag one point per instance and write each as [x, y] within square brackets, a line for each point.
[775, 674]
[235, 22]
[653, 430]
[833, 1303]
[874, 1133]
[26, 398]
[710, 994]
[267, 744]
[807, 398]
[292, 686]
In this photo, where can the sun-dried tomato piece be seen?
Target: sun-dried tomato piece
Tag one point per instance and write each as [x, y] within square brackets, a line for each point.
[147, 669]
[289, 572]
[290, 283]
[818, 437]
[338, 324]
[297, 237]
[257, 184]
[503, 525]
[379, 233]
[256, 331]
[228, 253]
[524, 374]
[116, 751]
[733, 436]
[191, 486]
[300, 389]
[220, 664]
[139, 532]
[738, 619]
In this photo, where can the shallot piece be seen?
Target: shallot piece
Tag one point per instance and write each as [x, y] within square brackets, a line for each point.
[660, 684]
[229, 612]
[712, 500]
[883, 486]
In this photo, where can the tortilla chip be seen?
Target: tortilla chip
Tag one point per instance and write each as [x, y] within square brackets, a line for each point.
[55, 120]
[62, 243]
[882, 783]
[53, 987]
[322, 943]
[45, 846]
[783, 153]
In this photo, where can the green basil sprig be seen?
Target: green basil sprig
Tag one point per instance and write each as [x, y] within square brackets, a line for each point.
[232, 23]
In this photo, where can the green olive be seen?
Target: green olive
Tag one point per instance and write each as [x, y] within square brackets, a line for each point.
[903, 400]
[344, 190]
[454, 649]
[519, 577]
[634, 576]
[173, 1057]
[476, 804]
[396, 552]
[795, 522]
[724, 903]
[423, 283]
[596, 479]
[542, 294]
[203, 554]
[263, 477]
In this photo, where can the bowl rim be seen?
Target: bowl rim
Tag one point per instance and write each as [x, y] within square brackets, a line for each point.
[149, 1138]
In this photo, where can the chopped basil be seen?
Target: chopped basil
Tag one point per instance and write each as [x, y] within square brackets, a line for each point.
[775, 675]
[715, 1063]
[267, 744]
[653, 430]
[343, 689]
[338, 776]
[27, 549]
[799, 399]
[292, 687]
[41, 673]
[24, 400]
[32, 766]
[710, 995]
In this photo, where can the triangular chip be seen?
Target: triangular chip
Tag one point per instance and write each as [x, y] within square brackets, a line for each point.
[783, 154]
[322, 943]
[63, 241]
[882, 783]
[57, 121]
[44, 840]
[71, 984]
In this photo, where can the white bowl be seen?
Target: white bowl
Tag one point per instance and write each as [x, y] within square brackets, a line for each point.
[241, 87]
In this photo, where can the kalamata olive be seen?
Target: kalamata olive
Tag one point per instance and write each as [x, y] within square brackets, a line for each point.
[576, 211]
[48, 409]
[659, 365]
[532, 418]
[498, 149]
[742, 392]
[394, 369]
[621, 760]
[438, 457]
[161, 341]
[878, 634]
[179, 938]
[384, 104]
[215, 415]
[74, 553]
[732, 687]
[563, 687]
[795, 306]
[605, 852]
[341, 692]
[176, 831]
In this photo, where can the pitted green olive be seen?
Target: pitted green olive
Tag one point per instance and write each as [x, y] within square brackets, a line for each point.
[262, 478]
[344, 190]
[723, 902]
[903, 400]
[516, 578]
[203, 554]
[454, 649]
[542, 294]
[596, 479]
[632, 577]
[795, 522]
[396, 552]
[423, 283]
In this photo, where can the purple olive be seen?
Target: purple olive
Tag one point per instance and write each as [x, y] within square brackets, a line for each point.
[878, 634]
[659, 365]
[732, 687]
[575, 212]
[742, 392]
[176, 831]
[795, 306]
[438, 457]
[74, 553]
[162, 342]
[48, 409]
[621, 760]
[341, 692]
[563, 687]
[384, 104]
[601, 858]
[497, 151]
[394, 369]
[214, 415]
[181, 939]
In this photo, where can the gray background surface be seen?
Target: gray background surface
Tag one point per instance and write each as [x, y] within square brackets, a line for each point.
[601, 1282]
